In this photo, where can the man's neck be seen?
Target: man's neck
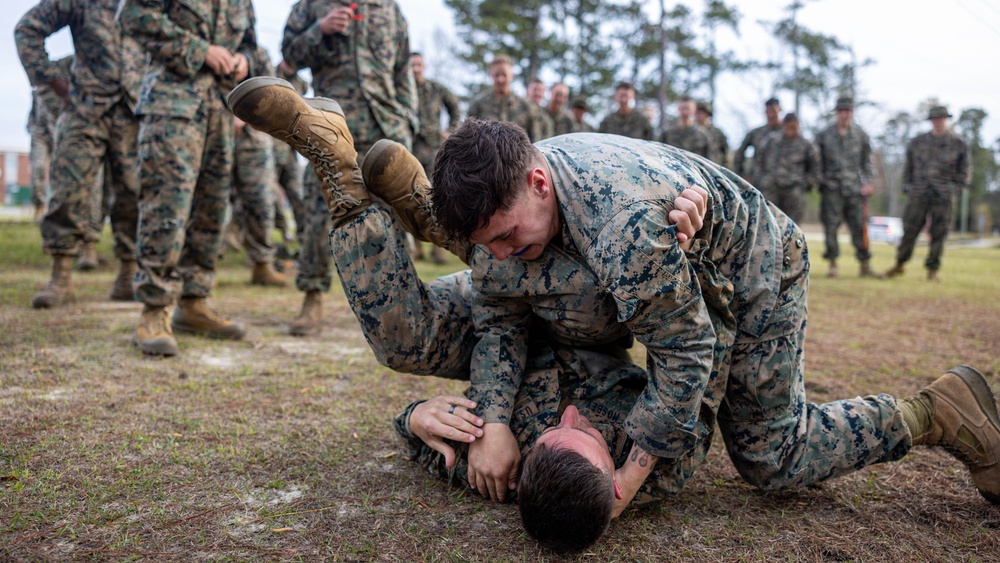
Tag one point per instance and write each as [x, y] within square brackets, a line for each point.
[624, 109]
[685, 122]
[554, 108]
[939, 132]
[843, 129]
[418, 79]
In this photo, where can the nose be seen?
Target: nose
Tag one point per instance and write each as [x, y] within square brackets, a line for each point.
[501, 251]
[570, 416]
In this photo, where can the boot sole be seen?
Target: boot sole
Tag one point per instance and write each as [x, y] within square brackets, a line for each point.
[224, 334]
[37, 304]
[157, 346]
[252, 84]
[980, 390]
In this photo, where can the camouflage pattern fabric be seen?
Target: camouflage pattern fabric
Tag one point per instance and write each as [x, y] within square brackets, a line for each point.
[845, 164]
[937, 168]
[367, 70]
[741, 165]
[288, 169]
[720, 145]
[46, 106]
[512, 108]
[562, 122]
[786, 169]
[314, 272]
[432, 97]
[97, 123]
[582, 127]
[635, 124]
[693, 139]
[102, 198]
[185, 141]
[545, 122]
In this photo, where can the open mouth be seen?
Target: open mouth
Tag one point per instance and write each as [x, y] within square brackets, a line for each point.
[522, 251]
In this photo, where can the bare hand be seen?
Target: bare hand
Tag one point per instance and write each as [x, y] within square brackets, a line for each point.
[493, 461]
[285, 69]
[688, 214]
[238, 126]
[867, 189]
[241, 67]
[61, 87]
[336, 21]
[445, 418]
[220, 60]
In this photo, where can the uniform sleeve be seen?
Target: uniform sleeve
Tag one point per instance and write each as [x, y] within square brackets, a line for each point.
[406, 86]
[41, 21]
[866, 159]
[500, 355]
[303, 44]
[648, 133]
[963, 168]
[908, 168]
[821, 150]
[812, 166]
[657, 294]
[741, 154]
[181, 51]
[450, 103]
[248, 44]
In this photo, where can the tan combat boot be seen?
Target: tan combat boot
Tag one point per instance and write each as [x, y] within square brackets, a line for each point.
[153, 335]
[309, 320]
[933, 276]
[265, 274]
[194, 316]
[896, 270]
[316, 128]
[866, 270]
[396, 176]
[88, 260]
[833, 272]
[59, 288]
[122, 290]
[965, 423]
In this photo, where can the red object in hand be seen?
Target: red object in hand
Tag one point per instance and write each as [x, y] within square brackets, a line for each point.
[354, 6]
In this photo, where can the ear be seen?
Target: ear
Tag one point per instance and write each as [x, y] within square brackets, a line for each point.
[618, 490]
[538, 182]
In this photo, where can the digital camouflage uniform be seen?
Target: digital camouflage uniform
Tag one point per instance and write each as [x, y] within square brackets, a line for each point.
[693, 139]
[582, 127]
[545, 122]
[368, 72]
[937, 168]
[741, 165]
[512, 108]
[720, 145]
[185, 140]
[97, 124]
[845, 164]
[562, 122]
[46, 106]
[432, 97]
[786, 169]
[635, 124]
[289, 170]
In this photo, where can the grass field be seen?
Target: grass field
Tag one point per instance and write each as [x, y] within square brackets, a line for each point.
[280, 448]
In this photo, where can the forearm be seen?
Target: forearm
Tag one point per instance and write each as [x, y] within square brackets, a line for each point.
[182, 51]
[30, 33]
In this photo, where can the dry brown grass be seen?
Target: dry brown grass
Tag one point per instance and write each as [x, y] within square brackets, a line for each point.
[279, 448]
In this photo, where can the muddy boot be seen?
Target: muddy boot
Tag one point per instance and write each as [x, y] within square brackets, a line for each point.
[833, 272]
[896, 270]
[87, 260]
[59, 288]
[866, 270]
[933, 276]
[264, 274]
[153, 335]
[310, 319]
[959, 413]
[316, 129]
[194, 316]
[122, 290]
[396, 176]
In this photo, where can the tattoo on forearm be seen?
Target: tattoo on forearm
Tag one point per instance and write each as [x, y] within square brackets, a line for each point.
[640, 457]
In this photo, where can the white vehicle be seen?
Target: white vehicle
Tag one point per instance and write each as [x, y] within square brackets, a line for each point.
[885, 229]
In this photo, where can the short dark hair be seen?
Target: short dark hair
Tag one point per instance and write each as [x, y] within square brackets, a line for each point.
[481, 169]
[685, 98]
[501, 59]
[790, 117]
[565, 500]
[416, 54]
[625, 86]
[772, 102]
[536, 80]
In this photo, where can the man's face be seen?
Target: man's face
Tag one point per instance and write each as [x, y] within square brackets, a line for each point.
[536, 92]
[526, 228]
[792, 129]
[624, 97]
[558, 96]
[772, 112]
[502, 75]
[940, 124]
[701, 116]
[574, 432]
[417, 62]
[685, 110]
[844, 117]
[578, 113]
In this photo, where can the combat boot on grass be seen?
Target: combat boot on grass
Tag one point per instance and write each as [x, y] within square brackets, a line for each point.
[264, 274]
[396, 176]
[194, 316]
[959, 413]
[933, 276]
[59, 288]
[122, 290]
[833, 272]
[153, 335]
[894, 271]
[88, 260]
[866, 270]
[310, 318]
[316, 129]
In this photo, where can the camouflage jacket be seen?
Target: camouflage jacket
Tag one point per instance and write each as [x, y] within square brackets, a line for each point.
[635, 125]
[692, 139]
[582, 127]
[753, 139]
[512, 108]
[719, 144]
[937, 164]
[845, 160]
[177, 34]
[562, 122]
[786, 164]
[46, 105]
[548, 126]
[366, 68]
[252, 140]
[432, 97]
[107, 65]
[686, 308]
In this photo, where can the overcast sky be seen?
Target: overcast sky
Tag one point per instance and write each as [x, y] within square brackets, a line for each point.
[941, 49]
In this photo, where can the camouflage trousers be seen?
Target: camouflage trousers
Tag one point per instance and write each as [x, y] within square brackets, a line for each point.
[791, 201]
[40, 157]
[289, 174]
[185, 167]
[82, 146]
[922, 206]
[314, 238]
[253, 190]
[836, 208]
[101, 202]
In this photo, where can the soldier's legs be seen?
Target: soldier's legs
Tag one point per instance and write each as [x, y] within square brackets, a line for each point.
[314, 255]
[289, 173]
[253, 177]
[123, 180]
[830, 206]
[914, 218]
[40, 156]
[940, 216]
[854, 215]
[98, 201]
[794, 205]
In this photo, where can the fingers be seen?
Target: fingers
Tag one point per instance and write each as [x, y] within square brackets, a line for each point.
[682, 221]
[445, 449]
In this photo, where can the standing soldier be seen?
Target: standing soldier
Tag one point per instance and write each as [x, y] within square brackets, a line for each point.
[432, 97]
[687, 134]
[626, 121]
[287, 167]
[556, 109]
[717, 139]
[787, 167]
[501, 104]
[98, 123]
[772, 109]
[197, 52]
[46, 106]
[359, 55]
[845, 184]
[937, 168]
[579, 109]
[536, 94]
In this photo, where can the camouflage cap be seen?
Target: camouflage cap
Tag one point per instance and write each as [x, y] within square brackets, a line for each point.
[579, 102]
[844, 102]
[705, 107]
[938, 111]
